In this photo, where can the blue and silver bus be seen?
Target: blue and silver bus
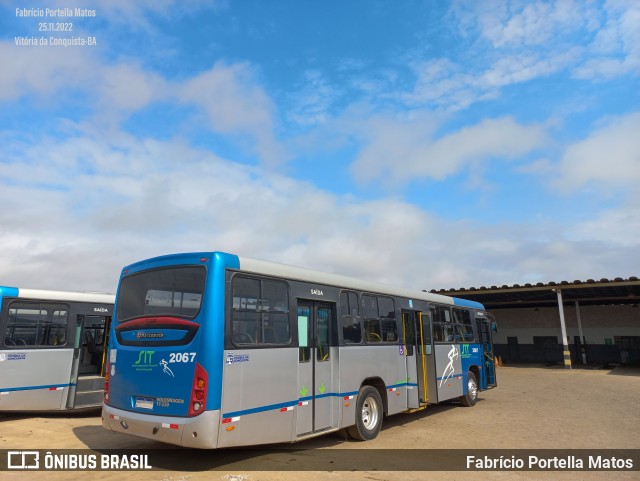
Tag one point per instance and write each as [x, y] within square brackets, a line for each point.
[52, 349]
[212, 350]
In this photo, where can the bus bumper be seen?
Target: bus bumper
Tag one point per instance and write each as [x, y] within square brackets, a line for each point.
[197, 432]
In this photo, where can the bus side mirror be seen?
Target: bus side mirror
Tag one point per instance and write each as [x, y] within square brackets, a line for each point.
[494, 327]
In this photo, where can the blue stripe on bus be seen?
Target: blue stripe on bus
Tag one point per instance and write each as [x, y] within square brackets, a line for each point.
[260, 409]
[465, 303]
[31, 388]
[351, 393]
[271, 407]
[402, 384]
[6, 291]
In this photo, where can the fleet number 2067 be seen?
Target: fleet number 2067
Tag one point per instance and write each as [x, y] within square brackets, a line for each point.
[182, 356]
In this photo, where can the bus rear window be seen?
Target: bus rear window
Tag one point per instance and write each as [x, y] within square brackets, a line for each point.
[175, 291]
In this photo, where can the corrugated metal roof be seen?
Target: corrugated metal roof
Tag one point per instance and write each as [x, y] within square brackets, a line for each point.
[589, 292]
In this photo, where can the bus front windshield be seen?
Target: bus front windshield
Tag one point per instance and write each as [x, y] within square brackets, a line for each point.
[175, 291]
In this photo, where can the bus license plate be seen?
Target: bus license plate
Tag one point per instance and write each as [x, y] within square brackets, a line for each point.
[144, 403]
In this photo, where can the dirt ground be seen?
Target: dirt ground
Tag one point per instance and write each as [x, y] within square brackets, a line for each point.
[533, 407]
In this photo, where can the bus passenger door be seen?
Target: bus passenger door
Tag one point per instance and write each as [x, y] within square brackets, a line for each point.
[427, 392]
[409, 350]
[314, 412]
[489, 371]
[87, 371]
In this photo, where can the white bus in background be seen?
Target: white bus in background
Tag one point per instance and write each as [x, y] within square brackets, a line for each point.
[52, 349]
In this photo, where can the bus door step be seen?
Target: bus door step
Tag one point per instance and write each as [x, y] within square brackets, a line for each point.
[88, 398]
[422, 407]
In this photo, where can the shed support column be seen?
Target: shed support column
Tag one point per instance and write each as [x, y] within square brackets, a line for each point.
[582, 340]
[565, 347]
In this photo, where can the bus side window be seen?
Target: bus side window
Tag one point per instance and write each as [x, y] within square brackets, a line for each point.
[465, 333]
[389, 327]
[444, 314]
[464, 328]
[260, 312]
[304, 334]
[380, 319]
[350, 318]
[372, 329]
[36, 324]
[443, 332]
[275, 308]
[438, 332]
[323, 320]
[408, 334]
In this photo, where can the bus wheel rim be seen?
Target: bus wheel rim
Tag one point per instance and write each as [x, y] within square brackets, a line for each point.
[370, 413]
[473, 389]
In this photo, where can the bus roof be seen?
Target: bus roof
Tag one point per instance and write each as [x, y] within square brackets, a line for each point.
[298, 273]
[275, 269]
[47, 295]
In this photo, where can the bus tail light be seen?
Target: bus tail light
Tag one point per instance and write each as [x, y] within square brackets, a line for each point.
[107, 377]
[198, 401]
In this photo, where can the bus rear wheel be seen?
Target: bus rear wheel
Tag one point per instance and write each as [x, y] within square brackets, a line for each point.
[471, 397]
[368, 414]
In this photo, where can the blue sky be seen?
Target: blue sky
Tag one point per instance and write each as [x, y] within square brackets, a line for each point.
[428, 144]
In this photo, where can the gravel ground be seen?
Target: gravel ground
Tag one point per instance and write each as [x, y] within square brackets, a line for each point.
[534, 407]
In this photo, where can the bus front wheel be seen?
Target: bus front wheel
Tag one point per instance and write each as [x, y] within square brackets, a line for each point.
[368, 414]
[471, 397]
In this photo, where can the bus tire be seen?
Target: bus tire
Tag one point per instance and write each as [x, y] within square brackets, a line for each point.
[471, 397]
[369, 411]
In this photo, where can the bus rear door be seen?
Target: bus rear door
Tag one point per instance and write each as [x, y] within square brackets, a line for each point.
[409, 348]
[89, 353]
[427, 388]
[484, 325]
[315, 383]
[420, 367]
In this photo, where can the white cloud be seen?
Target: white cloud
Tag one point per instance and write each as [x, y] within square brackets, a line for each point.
[616, 46]
[519, 41]
[110, 204]
[128, 88]
[610, 156]
[312, 100]
[58, 76]
[76, 209]
[400, 151]
[229, 94]
[530, 23]
[138, 202]
[523, 23]
[513, 69]
[617, 228]
[235, 104]
[442, 83]
[43, 71]
[450, 86]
